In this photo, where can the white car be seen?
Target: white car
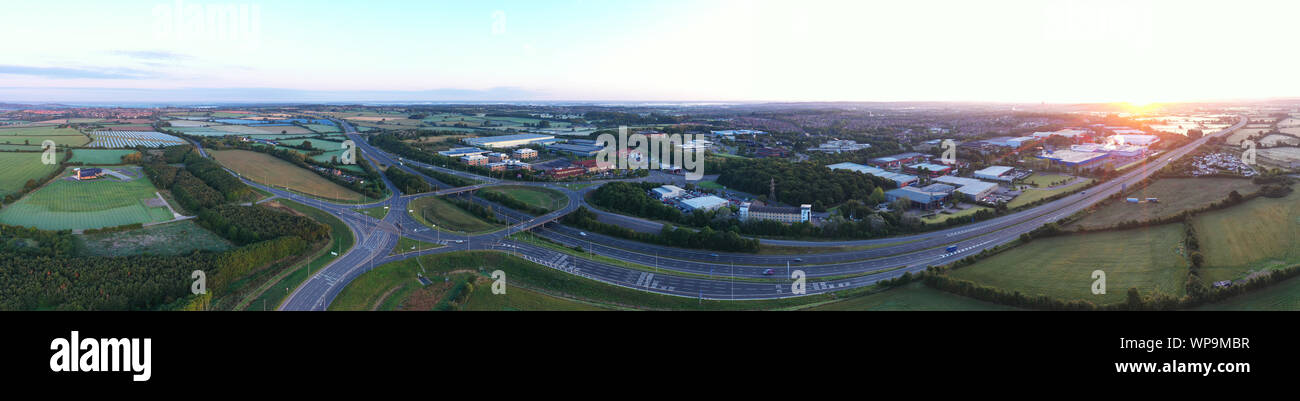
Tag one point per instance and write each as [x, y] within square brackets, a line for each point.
[582, 233]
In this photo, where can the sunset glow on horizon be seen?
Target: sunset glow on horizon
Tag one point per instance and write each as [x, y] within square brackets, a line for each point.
[1139, 52]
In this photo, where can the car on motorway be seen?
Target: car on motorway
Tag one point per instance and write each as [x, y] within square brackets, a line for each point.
[798, 260]
[951, 249]
[582, 233]
[769, 272]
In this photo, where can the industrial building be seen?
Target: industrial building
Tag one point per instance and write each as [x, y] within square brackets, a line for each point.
[508, 141]
[1075, 159]
[840, 146]
[1139, 140]
[895, 161]
[970, 188]
[704, 203]
[460, 152]
[929, 197]
[933, 170]
[667, 192]
[787, 215]
[1075, 134]
[497, 157]
[996, 173]
[901, 180]
[1010, 142]
[576, 150]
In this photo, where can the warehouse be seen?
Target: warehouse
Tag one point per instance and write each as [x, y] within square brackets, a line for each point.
[1075, 159]
[901, 180]
[508, 141]
[667, 192]
[704, 203]
[461, 152]
[995, 173]
[970, 188]
[930, 197]
[934, 170]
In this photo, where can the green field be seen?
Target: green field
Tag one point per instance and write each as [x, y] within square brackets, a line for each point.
[709, 185]
[1150, 259]
[435, 212]
[1033, 195]
[1262, 234]
[1284, 296]
[69, 205]
[405, 245]
[912, 297]
[548, 199]
[942, 217]
[178, 238]
[19, 167]
[1042, 180]
[36, 135]
[99, 156]
[1176, 195]
[376, 212]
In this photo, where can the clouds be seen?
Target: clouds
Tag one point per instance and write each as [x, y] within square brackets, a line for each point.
[152, 55]
[74, 73]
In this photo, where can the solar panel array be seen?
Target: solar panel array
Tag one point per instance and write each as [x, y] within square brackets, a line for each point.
[130, 139]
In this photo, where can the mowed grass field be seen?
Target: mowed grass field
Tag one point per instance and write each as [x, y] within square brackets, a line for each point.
[1150, 259]
[36, 135]
[549, 199]
[436, 212]
[99, 156]
[913, 297]
[270, 170]
[19, 167]
[1176, 195]
[1033, 195]
[1042, 180]
[71, 205]
[1262, 234]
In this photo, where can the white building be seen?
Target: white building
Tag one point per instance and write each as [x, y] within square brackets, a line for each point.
[995, 173]
[972, 188]
[704, 203]
[668, 192]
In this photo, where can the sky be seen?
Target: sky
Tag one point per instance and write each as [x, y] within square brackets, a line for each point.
[1056, 51]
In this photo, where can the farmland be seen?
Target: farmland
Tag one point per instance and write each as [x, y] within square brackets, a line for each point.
[20, 167]
[1259, 235]
[99, 156]
[270, 170]
[434, 211]
[1175, 196]
[1150, 259]
[67, 204]
[36, 135]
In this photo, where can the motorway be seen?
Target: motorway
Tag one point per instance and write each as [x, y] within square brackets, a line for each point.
[666, 270]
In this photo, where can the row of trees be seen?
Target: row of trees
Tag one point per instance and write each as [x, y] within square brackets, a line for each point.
[249, 224]
[406, 182]
[799, 183]
[706, 238]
